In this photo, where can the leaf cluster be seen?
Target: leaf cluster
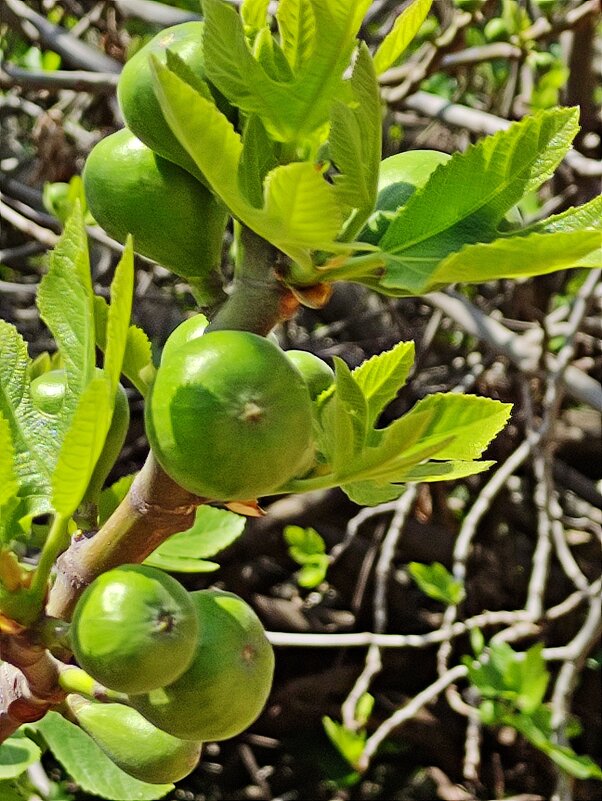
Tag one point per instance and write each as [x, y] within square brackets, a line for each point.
[512, 686]
[302, 170]
[48, 460]
[439, 439]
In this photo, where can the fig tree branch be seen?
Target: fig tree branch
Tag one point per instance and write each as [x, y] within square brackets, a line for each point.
[483, 123]
[28, 683]
[20, 17]
[75, 80]
[154, 508]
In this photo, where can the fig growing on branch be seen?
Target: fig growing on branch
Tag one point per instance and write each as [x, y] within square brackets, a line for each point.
[133, 743]
[173, 218]
[192, 328]
[136, 90]
[317, 374]
[134, 629]
[229, 680]
[229, 416]
[48, 391]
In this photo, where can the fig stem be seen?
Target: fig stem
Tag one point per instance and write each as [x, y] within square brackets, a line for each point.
[257, 296]
[56, 542]
[73, 679]
[154, 508]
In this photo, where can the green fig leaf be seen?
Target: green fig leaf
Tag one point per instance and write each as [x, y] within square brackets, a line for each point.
[405, 28]
[355, 143]
[369, 493]
[516, 257]
[212, 531]
[470, 421]
[437, 582]
[17, 753]
[297, 26]
[34, 441]
[65, 302]
[589, 215]
[137, 363]
[9, 485]
[452, 470]
[319, 42]
[382, 376]
[118, 318]
[254, 13]
[82, 446]
[257, 159]
[453, 209]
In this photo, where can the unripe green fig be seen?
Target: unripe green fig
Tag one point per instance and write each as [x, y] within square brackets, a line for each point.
[134, 629]
[399, 176]
[133, 743]
[229, 417]
[136, 90]
[317, 374]
[56, 200]
[192, 328]
[48, 391]
[229, 680]
[173, 218]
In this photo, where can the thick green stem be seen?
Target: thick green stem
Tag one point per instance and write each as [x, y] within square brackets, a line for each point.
[258, 300]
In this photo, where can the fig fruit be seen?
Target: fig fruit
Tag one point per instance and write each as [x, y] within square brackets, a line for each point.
[133, 743]
[172, 217]
[229, 417]
[134, 629]
[228, 683]
[192, 328]
[136, 90]
[317, 374]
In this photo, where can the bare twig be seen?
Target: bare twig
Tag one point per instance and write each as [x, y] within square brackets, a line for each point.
[483, 123]
[521, 350]
[75, 80]
[21, 223]
[543, 27]
[37, 28]
[155, 13]
[407, 712]
[363, 639]
[373, 664]
[576, 653]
